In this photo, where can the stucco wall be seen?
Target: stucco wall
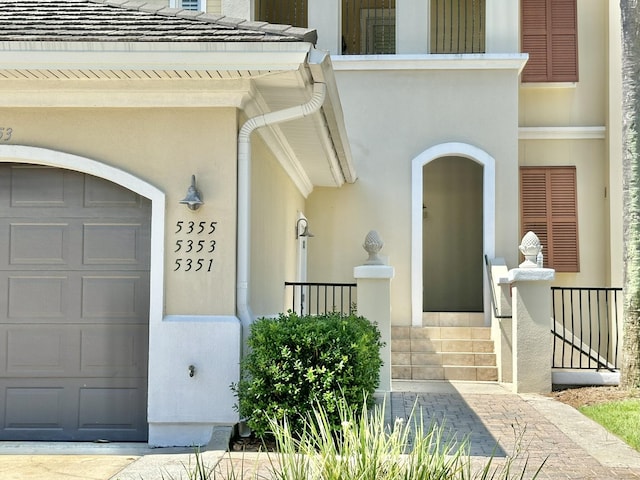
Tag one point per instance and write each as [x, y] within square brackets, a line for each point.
[586, 103]
[589, 157]
[399, 115]
[163, 147]
[275, 203]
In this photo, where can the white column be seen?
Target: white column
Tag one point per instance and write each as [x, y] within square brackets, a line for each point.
[531, 329]
[412, 26]
[374, 304]
[503, 26]
[326, 17]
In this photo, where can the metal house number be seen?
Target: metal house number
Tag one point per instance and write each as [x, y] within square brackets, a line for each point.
[194, 246]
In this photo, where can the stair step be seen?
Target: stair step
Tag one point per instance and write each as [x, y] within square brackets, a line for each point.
[443, 352]
[473, 374]
[435, 333]
[453, 319]
[444, 359]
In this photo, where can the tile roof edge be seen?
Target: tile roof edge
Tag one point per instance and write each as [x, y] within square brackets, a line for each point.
[303, 34]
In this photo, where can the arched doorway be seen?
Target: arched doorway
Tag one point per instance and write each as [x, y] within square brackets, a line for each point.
[457, 155]
[452, 235]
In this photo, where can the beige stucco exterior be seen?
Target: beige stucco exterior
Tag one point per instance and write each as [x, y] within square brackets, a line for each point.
[355, 164]
[397, 117]
[197, 141]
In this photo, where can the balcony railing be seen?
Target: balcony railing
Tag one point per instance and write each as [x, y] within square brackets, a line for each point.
[585, 327]
[307, 298]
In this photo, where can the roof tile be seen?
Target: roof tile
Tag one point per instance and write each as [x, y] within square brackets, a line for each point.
[131, 20]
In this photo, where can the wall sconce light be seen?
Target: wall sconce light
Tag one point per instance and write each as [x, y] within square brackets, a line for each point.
[305, 231]
[193, 199]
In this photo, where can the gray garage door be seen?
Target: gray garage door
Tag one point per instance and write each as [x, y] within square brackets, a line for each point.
[74, 294]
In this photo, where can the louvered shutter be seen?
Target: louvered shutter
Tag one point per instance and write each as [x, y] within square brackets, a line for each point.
[549, 36]
[548, 207]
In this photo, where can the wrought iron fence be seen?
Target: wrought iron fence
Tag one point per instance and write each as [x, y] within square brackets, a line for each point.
[585, 327]
[308, 298]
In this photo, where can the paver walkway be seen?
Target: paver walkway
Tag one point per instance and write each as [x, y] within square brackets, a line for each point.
[574, 446]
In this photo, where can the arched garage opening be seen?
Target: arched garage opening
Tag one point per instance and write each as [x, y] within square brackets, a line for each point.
[76, 271]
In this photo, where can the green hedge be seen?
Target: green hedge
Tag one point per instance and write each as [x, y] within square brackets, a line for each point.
[297, 363]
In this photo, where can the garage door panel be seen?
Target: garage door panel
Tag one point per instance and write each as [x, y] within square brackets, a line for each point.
[115, 244]
[73, 410]
[40, 408]
[108, 409]
[38, 243]
[121, 297]
[99, 193]
[117, 351]
[33, 186]
[36, 350]
[37, 296]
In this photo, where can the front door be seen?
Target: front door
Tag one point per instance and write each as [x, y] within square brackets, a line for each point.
[452, 235]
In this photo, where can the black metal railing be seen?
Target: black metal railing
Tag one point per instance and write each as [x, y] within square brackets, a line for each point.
[494, 298]
[585, 327]
[458, 26]
[308, 298]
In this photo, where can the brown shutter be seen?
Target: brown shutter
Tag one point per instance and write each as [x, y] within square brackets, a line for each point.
[548, 207]
[564, 219]
[549, 36]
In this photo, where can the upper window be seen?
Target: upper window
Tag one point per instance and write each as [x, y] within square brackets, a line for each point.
[549, 208]
[457, 26]
[549, 36]
[284, 12]
[368, 27]
[188, 4]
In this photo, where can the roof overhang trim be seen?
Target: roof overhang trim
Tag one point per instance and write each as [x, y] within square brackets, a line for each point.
[141, 56]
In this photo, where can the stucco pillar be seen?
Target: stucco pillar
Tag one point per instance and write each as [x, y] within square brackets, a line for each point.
[374, 300]
[531, 329]
[412, 36]
[502, 26]
[374, 303]
[326, 17]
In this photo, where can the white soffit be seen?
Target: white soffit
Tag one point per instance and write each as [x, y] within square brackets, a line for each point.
[562, 133]
[86, 60]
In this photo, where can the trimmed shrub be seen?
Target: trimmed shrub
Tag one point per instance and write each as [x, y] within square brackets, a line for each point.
[297, 363]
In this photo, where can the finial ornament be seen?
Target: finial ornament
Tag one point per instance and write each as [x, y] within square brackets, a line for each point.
[373, 244]
[530, 247]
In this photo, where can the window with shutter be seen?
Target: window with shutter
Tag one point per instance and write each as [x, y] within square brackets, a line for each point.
[549, 208]
[549, 36]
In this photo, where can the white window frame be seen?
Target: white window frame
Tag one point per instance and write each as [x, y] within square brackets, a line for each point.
[202, 5]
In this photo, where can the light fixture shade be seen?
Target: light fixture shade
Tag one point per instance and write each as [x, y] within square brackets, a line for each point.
[305, 231]
[193, 199]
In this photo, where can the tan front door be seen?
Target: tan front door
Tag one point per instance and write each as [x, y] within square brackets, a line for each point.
[74, 276]
[452, 236]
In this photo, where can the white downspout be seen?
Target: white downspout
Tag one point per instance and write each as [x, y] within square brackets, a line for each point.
[244, 194]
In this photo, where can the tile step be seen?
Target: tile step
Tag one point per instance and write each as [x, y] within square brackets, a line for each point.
[477, 374]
